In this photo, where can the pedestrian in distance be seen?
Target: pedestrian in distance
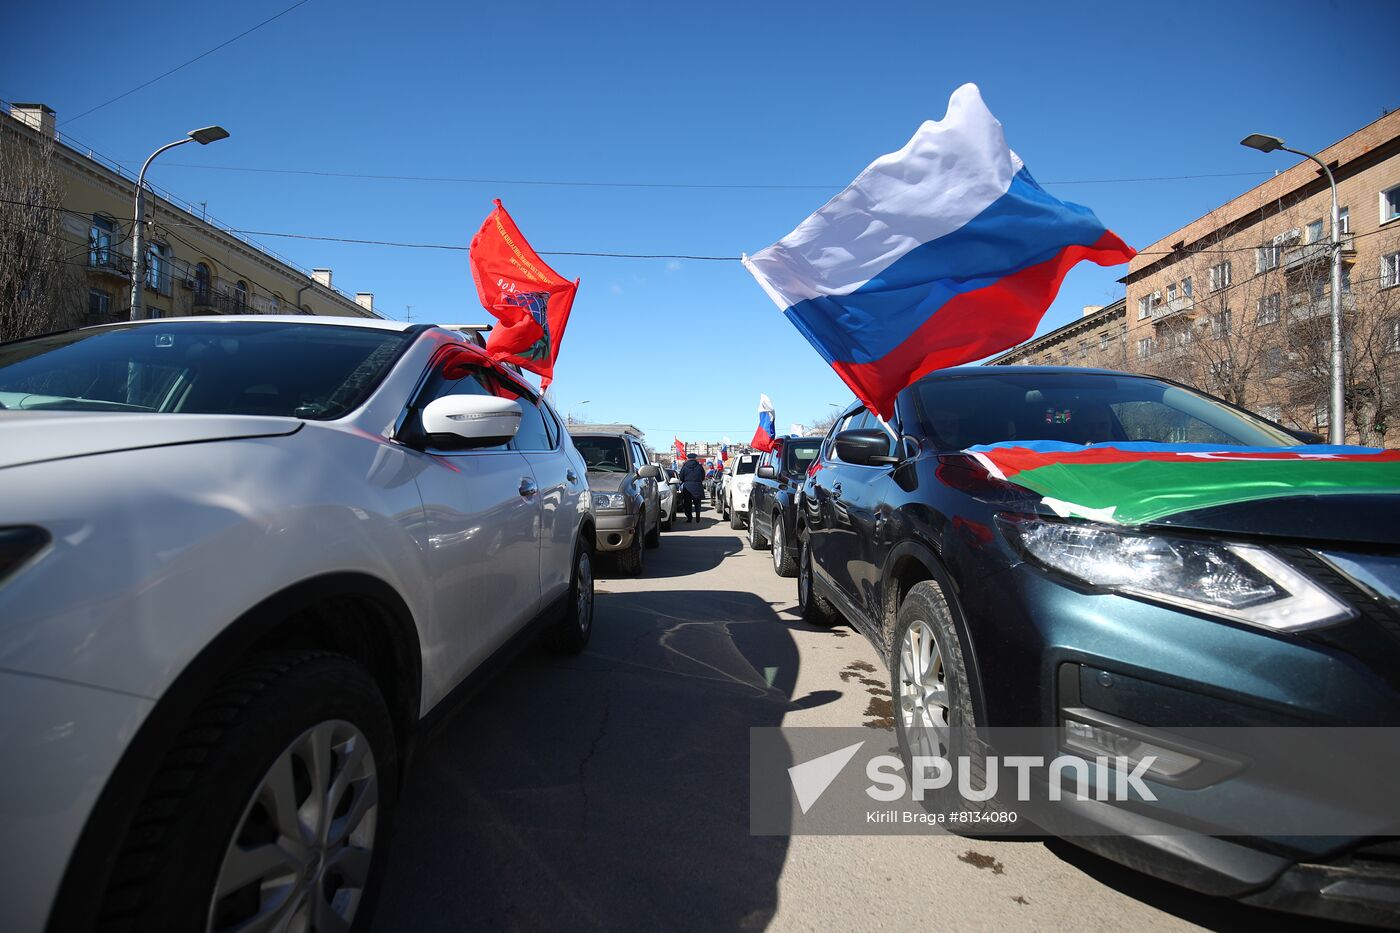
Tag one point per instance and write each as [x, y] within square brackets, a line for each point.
[693, 484]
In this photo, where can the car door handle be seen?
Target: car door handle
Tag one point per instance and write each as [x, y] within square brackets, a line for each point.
[571, 476]
[528, 487]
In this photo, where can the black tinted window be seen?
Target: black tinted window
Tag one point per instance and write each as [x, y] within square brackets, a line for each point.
[798, 456]
[603, 454]
[1081, 408]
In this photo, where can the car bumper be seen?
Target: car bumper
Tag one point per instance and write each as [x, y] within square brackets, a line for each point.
[60, 742]
[1155, 668]
[615, 530]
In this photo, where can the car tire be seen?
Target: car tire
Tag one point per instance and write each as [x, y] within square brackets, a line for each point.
[653, 539]
[815, 608]
[736, 519]
[570, 634]
[931, 693]
[244, 776]
[756, 539]
[630, 560]
[784, 564]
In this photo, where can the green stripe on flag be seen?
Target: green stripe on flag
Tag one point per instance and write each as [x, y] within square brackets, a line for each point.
[1145, 490]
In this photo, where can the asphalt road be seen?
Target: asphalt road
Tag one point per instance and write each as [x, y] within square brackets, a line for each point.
[610, 790]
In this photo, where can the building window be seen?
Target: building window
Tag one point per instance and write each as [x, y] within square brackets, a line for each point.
[1103, 341]
[1186, 287]
[1344, 221]
[1390, 270]
[1144, 347]
[158, 268]
[100, 242]
[203, 279]
[1272, 412]
[1220, 276]
[1321, 415]
[240, 297]
[1269, 309]
[1314, 231]
[1390, 204]
[1346, 278]
[1273, 362]
[1393, 325]
[1171, 293]
[154, 312]
[1083, 349]
[1267, 257]
[1220, 326]
[1144, 307]
[99, 305]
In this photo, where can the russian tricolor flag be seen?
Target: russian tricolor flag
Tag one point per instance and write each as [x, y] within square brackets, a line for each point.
[939, 254]
[767, 425]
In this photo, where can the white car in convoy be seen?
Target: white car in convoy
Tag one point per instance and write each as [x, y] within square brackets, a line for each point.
[737, 484]
[240, 560]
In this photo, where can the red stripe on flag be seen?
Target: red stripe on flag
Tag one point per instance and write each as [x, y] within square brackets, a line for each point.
[974, 324]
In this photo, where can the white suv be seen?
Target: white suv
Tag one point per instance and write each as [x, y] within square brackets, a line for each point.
[240, 559]
[735, 502]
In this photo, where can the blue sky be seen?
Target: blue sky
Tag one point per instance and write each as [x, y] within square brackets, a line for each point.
[721, 94]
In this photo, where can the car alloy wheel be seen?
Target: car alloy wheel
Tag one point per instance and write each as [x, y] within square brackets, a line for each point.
[302, 851]
[923, 691]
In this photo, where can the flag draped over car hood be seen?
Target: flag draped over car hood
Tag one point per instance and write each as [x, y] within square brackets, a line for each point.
[531, 300]
[939, 254]
[1136, 482]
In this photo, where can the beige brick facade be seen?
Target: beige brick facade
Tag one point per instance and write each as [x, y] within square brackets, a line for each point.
[1097, 339]
[1238, 302]
[195, 267]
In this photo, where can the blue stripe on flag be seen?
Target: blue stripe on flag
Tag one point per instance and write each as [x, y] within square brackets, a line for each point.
[1024, 227]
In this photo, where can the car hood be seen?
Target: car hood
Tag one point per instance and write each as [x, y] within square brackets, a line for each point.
[606, 482]
[35, 437]
[1343, 497]
[1341, 518]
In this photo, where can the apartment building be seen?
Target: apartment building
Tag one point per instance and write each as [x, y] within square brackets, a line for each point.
[1097, 338]
[1238, 302]
[192, 265]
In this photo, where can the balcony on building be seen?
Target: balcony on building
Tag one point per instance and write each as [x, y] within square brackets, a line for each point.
[1173, 309]
[212, 301]
[1302, 257]
[1309, 307]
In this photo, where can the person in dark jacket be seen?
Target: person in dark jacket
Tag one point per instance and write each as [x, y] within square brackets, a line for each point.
[693, 484]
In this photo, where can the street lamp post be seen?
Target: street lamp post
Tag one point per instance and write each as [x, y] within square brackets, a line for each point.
[1336, 427]
[204, 137]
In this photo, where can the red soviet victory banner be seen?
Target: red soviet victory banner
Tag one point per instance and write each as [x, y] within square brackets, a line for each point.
[529, 299]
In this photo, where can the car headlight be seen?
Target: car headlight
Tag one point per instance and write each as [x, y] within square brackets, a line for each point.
[609, 500]
[1233, 581]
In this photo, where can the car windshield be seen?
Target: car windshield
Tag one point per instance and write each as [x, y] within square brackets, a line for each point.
[798, 455]
[314, 371]
[745, 465]
[603, 454]
[1082, 408]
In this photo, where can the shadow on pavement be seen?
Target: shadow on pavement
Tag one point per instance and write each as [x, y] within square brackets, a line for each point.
[607, 791]
[682, 555]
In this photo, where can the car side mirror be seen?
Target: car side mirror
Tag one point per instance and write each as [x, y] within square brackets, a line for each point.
[464, 422]
[650, 471]
[865, 447]
[767, 472]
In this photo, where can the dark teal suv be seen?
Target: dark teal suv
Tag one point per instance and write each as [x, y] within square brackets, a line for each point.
[1098, 596]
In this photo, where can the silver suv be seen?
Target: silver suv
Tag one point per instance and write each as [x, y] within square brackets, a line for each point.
[240, 559]
[626, 504]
